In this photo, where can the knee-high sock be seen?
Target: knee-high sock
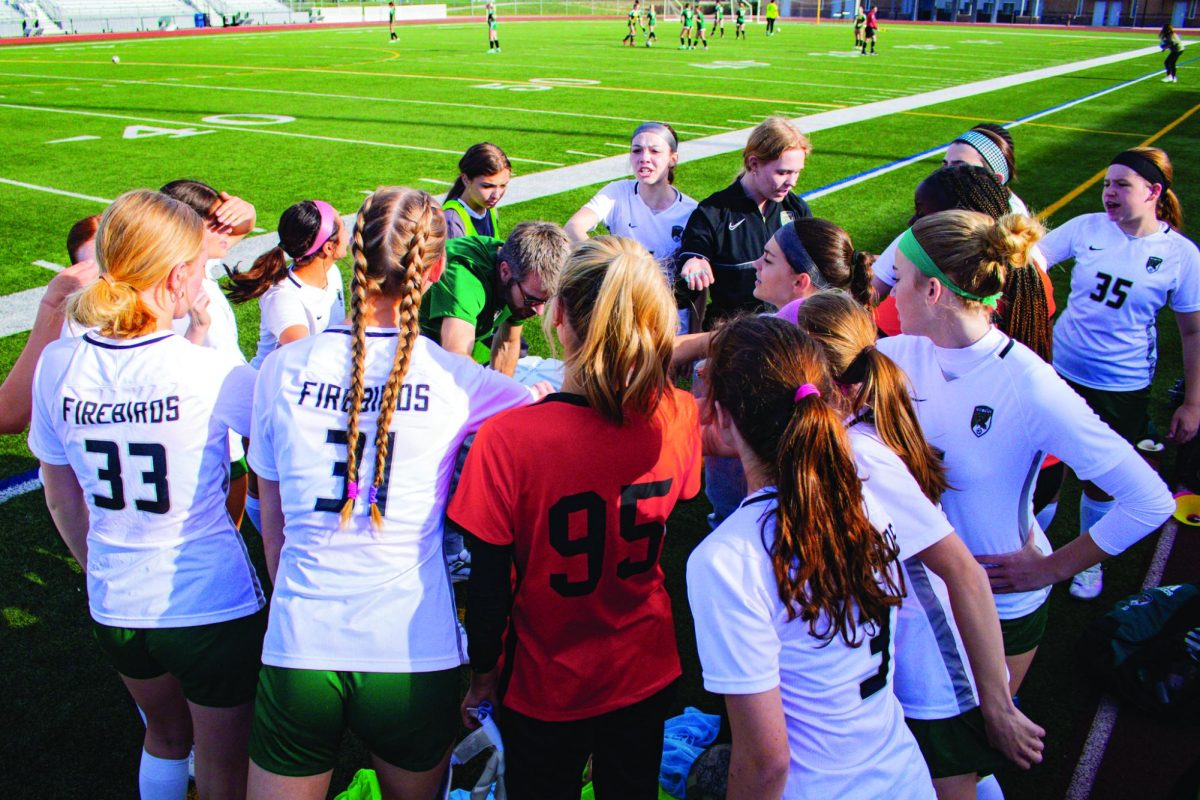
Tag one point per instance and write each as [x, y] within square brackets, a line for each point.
[163, 778]
[1092, 511]
[254, 512]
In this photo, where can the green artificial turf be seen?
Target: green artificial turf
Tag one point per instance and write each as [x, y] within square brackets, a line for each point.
[368, 112]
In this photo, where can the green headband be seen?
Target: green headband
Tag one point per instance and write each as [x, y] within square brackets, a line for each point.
[912, 250]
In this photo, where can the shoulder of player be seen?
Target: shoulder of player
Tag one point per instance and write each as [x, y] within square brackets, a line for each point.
[905, 346]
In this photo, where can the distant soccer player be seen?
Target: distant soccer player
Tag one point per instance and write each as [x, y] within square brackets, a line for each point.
[493, 34]
[392, 20]
[872, 29]
[634, 15]
[719, 18]
[772, 15]
[701, 36]
[739, 30]
[685, 30]
[860, 22]
[651, 19]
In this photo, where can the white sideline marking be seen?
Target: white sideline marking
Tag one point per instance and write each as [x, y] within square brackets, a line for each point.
[50, 265]
[73, 139]
[17, 310]
[614, 144]
[438, 182]
[260, 131]
[543, 184]
[1106, 715]
[589, 155]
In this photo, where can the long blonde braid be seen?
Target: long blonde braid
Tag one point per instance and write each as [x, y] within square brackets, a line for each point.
[358, 357]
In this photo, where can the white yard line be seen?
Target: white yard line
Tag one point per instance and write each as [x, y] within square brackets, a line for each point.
[364, 98]
[262, 131]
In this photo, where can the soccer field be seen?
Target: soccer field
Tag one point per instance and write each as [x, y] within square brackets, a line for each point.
[280, 116]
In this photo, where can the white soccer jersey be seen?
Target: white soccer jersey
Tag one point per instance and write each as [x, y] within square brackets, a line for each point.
[933, 676]
[1106, 338]
[356, 598]
[621, 207]
[846, 730]
[293, 302]
[222, 335]
[996, 410]
[144, 423]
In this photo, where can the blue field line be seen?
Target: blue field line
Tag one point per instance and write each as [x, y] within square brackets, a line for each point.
[17, 485]
[829, 188]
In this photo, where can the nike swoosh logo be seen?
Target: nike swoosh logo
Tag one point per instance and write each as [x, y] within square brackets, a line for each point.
[1091, 247]
[733, 225]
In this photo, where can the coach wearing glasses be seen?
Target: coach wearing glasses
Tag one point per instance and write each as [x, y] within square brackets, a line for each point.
[490, 287]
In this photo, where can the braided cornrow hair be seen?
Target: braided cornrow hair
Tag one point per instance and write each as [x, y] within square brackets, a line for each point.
[399, 235]
[968, 187]
[358, 355]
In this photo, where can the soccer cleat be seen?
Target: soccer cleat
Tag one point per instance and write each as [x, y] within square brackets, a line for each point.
[459, 566]
[1167, 79]
[1088, 584]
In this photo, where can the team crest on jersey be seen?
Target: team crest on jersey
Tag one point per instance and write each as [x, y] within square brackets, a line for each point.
[1153, 263]
[784, 218]
[677, 232]
[981, 420]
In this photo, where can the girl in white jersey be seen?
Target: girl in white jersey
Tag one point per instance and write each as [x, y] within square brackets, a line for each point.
[995, 409]
[648, 209]
[953, 709]
[1130, 262]
[989, 145]
[363, 631]
[130, 424]
[305, 296]
[794, 596]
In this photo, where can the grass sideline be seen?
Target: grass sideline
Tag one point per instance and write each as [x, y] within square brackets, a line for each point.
[355, 98]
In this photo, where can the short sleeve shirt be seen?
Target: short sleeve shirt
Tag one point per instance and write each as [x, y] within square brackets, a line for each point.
[584, 502]
[467, 289]
[620, 206]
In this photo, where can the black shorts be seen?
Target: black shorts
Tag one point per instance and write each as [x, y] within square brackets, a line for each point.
[1124, 412]
[545, 759]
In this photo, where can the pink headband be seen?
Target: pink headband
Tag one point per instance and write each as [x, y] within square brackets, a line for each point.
[328, 226]
[806, 390]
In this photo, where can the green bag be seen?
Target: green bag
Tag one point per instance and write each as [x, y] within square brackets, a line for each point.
[365, 786]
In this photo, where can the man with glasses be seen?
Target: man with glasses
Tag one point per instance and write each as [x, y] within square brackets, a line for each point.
[490, 287]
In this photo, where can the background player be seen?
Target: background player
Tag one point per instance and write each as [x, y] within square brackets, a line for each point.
[493, 34]
[135, 473]
[701, 35]
[392, 20]
[651, 19]
[363, 632]
[739, 30]
[594, 660]
[771, 15]
[871, 30]
[685, 30]
[719, 18]
[635, 15]
[860, 22]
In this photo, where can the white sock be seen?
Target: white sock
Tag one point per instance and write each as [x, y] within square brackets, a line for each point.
[1046, 515]
[989, 789]
[163, 778]
[254, 513]
[1092, 511]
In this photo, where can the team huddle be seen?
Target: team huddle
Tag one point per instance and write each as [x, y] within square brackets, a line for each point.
[882, 440]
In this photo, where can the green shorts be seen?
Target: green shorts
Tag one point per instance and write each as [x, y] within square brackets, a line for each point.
[956, 745]
[1124, 412]
[217, 664]
[238, 468]
[407, 720]
[1025, 633]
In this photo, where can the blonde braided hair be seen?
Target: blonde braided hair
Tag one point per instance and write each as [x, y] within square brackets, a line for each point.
[400, 233]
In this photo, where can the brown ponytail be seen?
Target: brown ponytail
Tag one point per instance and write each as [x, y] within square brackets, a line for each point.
[846, 332]
[299, 227]
[833, 570]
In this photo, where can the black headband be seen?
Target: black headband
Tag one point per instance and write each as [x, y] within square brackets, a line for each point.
[797, 256]
[1144, 167]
